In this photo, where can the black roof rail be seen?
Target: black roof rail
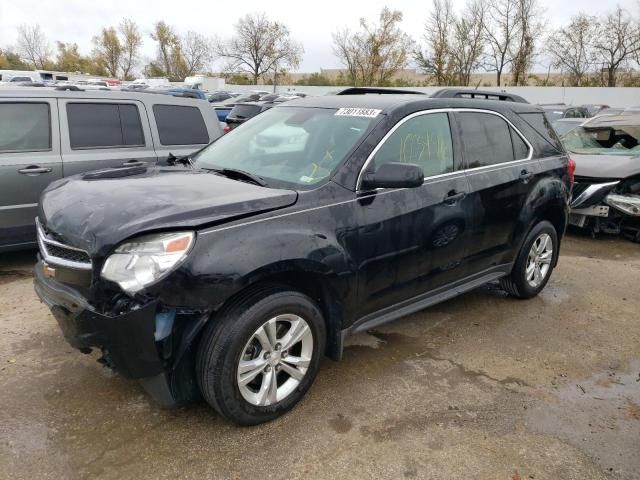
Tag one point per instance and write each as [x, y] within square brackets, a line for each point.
[72, 88]
[378, 91]
[477, 94]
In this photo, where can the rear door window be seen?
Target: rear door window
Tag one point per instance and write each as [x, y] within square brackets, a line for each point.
[25, 127]
[104, 125]
[180, 125]
[486, 139]
[424, 140]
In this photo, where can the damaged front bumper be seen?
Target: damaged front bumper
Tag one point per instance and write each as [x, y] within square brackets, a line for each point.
[601, 207]
[126, 339]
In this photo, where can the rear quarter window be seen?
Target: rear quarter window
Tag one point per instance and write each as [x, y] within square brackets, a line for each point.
[180, 125]
[539, 123]
[25, 127]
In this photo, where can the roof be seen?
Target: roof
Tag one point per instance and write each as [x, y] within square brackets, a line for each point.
[389, 102]
[48, 92]
[614, 121]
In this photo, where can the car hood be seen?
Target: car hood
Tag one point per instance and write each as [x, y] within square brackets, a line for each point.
[96, 211]
[606, 166]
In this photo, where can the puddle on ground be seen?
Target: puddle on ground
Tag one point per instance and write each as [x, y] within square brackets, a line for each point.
[604, 418]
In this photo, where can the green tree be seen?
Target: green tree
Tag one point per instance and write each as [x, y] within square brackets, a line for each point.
[69, 59]
[131, 41]
[108, 50]
[376, 52]
[11, 61]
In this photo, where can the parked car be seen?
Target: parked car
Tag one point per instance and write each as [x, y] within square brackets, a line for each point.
[236, 273]
[556, 112]
[243, 111]
[223, 108]
[215, 97]
[595, 108]
[47, 134]
[606, 195]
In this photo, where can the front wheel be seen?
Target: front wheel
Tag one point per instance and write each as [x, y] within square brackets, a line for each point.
[535, 262]
[259, 358]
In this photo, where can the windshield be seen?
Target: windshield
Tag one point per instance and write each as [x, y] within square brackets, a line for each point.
[287, 146]
[609, 140]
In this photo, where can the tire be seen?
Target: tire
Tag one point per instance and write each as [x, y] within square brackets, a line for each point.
[519, 283]
[234, 336]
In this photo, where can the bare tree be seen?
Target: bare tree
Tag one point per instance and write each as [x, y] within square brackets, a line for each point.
[436, 60]
[378, 51]
[501, 33]
[197, 51]
[529, 25]
[616, 42]
[468, 40]
[33, 46]
[347, 50]
[259, 46]
[570, 47]
[108, 50]
[131, 40]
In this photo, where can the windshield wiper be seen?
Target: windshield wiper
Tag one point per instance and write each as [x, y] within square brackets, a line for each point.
[236, 174]
[185, 160]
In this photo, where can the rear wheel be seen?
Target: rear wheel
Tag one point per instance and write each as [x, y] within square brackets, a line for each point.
[535, 262]
[260, 357]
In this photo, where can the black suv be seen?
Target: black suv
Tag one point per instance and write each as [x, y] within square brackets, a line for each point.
[234, 271]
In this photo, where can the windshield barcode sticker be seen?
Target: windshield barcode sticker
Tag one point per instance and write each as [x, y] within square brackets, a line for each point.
[358, 112]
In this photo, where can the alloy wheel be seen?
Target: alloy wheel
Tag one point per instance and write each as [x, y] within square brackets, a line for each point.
[275, 360]
[539, 260]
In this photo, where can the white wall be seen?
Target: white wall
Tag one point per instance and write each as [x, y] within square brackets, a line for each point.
[615, 97]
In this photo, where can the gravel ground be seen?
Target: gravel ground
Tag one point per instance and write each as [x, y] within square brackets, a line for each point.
[483, 386]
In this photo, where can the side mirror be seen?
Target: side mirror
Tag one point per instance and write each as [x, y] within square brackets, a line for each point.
[394, 175]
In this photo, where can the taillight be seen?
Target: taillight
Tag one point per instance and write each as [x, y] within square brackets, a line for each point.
[227, 129]
[571, 170]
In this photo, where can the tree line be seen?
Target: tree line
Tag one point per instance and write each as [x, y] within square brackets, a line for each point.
[499, 36]
[259, 47]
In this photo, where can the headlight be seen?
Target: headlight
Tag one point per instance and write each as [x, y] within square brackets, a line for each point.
[145, 260]
[629, 204]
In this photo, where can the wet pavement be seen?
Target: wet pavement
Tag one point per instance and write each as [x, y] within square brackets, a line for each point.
[482, 386]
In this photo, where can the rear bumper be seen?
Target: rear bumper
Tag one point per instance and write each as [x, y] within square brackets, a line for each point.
[127, 339]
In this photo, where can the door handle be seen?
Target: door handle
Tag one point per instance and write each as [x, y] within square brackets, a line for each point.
[34, 170]
[525, 176]
[133, 163]
[454, 197]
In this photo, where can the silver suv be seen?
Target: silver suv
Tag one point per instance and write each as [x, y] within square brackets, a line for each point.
[47, 134]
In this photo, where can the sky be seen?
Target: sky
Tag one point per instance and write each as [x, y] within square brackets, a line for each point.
[310, 23]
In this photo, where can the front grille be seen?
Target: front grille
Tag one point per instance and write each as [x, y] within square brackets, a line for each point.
[60, 254]
[67, 254]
